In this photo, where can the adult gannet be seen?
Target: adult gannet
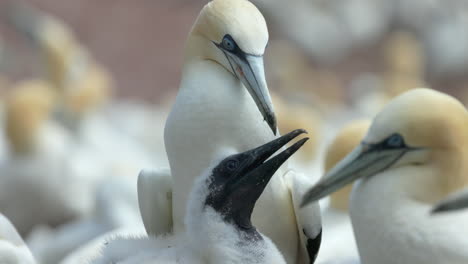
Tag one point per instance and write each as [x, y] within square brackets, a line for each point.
[223, 94]
[13, 250]
[414, 154]
[218, 218]
[455, 201]
[338, 243]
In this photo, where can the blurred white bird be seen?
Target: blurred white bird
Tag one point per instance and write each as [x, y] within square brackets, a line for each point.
[38, 182]
[13, 250]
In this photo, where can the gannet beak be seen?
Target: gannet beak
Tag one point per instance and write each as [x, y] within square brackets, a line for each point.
[251, 72]
[454, 202]
[255, 164]
[365, 160]
[257, 179]
[255, 173]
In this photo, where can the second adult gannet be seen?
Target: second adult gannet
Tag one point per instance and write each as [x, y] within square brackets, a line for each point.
[218, 219]
[414, 154]
[338, 243]
[222, 102]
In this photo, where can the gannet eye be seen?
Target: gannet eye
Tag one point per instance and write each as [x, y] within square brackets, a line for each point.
[228, 43]
[232, 165]
[395, 141]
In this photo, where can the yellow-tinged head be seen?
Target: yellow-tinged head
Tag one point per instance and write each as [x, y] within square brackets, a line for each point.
[346, 140]
[239, 19]
[89, 92]
[27, 106]
[422, 130]
[424, 118]
[233, 34]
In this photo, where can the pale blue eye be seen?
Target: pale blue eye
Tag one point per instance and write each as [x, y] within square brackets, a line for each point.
[395, 141]
[228, 44]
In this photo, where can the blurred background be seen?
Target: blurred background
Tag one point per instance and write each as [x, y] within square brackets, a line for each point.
[85, 88]
[329, 46]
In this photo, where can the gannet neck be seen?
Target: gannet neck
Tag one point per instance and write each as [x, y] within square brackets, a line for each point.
[452, 166]
[392, 225]
[210, 98]
[211, 234]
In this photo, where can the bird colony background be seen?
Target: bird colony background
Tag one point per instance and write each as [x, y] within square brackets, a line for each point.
[327, 62]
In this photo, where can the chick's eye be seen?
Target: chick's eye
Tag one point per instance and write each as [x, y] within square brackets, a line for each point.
[232, 165]
[228, 43]
[395, 141]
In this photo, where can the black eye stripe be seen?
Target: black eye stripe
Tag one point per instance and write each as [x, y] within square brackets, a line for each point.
[236, 50]
[394, 141]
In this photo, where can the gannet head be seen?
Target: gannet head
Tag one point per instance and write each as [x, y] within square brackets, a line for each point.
[345, 141]
[234, 34]
[231, 189]
[86, 90]
[420, 127]
[26, 108]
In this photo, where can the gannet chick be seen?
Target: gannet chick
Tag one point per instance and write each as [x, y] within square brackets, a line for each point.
[414, 154]
[13, 250]
[455, 201]
[37, 184]
[218, 218]
[223, 94]
[338, 243]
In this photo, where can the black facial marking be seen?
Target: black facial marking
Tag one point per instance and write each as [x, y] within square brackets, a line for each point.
[228, 44]
[394, 141]
[229, 169]
[313, 246]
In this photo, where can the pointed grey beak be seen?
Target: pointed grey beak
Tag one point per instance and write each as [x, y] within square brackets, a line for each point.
[250, 71]
[456, 201]
[364, 161]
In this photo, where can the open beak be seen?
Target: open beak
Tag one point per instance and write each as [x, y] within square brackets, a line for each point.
[457, 201]
[250, 71]
[260, 171]
[256, 172]
[365, 160]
